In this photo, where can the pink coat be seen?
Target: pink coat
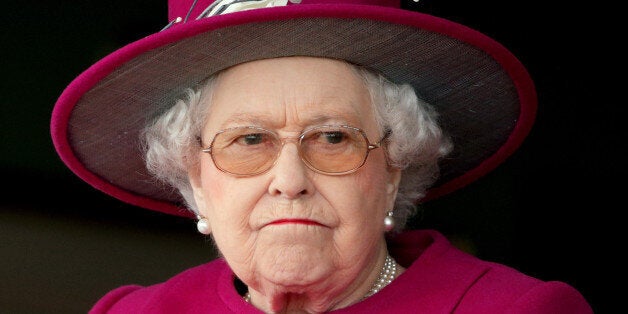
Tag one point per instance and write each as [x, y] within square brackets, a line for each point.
[439, 279]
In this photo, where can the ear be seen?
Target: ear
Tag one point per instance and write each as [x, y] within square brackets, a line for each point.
[194, 176]
[392, 186]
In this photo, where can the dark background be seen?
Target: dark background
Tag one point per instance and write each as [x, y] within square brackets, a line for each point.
[550, 210]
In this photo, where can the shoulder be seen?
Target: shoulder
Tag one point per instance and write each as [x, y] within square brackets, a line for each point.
[507, 290]
[163, 297]
[450, 278]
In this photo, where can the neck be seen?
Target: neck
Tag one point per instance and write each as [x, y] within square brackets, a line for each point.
[294, 303]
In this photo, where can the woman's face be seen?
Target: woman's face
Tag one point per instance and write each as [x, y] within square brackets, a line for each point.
[290, 229]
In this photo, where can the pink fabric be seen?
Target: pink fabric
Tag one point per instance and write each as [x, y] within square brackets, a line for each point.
[440, 279]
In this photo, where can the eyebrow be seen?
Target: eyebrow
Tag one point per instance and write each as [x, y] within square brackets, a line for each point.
[262, 119]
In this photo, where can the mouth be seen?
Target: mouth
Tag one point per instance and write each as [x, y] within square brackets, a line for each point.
[297, 221]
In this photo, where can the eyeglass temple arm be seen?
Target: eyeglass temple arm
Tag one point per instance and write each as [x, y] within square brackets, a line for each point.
[387, 133]
[200, 143]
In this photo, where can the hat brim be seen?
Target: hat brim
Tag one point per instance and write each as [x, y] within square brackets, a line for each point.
[484, 95]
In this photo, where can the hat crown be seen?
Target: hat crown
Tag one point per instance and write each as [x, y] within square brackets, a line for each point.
[181, 8]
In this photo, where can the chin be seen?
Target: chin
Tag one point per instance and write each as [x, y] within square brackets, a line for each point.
[295, 267]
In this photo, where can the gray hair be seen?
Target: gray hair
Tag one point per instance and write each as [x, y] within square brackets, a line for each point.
[415, 145]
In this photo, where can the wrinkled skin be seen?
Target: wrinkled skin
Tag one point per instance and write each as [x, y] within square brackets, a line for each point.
[332, 254]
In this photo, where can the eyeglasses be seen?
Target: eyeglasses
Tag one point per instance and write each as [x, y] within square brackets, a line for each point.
[326, 149]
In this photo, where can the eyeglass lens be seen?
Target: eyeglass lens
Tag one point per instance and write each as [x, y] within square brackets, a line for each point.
[252, 150]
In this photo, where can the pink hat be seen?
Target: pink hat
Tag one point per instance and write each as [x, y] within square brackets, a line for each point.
[485, 97]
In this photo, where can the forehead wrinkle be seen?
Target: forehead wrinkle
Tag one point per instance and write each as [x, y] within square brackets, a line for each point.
[248, 118]
[299, 108]
[331, 116]
[319, 109]
[301, 116]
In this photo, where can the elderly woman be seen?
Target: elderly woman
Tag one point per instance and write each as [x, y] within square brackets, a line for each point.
[303, 164]
[296, 187]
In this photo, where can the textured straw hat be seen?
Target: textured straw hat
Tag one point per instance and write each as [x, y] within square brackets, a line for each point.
[485, 97]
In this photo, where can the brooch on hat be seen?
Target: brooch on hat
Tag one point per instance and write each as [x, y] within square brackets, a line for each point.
[229, 6]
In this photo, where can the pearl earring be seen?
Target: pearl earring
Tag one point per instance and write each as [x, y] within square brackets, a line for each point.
[203, 225]
[389, 221]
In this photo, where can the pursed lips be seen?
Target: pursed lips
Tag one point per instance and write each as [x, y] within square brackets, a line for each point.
[299, 221]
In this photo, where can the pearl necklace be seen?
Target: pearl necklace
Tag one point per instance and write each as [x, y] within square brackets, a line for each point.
[386, 275]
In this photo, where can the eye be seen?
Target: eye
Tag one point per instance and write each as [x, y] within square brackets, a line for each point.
[251, 139]
[333, 137]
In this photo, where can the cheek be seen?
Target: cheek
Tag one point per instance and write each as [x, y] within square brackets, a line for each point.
[364, 200]
[229, 201]
[211, 183]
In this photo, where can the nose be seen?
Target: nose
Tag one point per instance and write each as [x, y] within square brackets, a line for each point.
[289, 174]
